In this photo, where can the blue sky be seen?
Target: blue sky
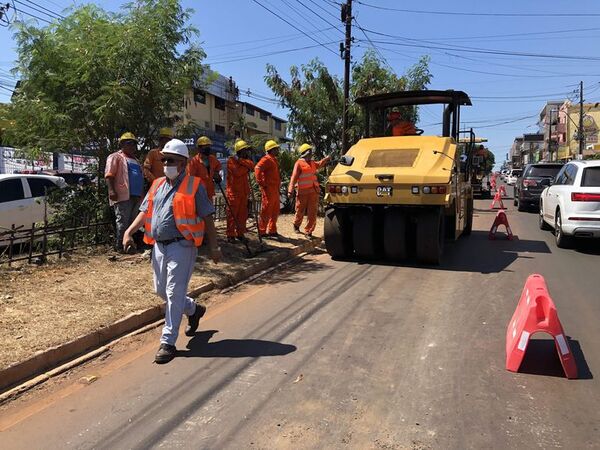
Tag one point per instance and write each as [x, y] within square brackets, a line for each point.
[504, 88]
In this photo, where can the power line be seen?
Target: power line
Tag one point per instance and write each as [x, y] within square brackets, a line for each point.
[326, 10]
[39, 8]
[279, 52]
[531, 33]
[461, 13]
[291, 36]
[373, 45]
[459, 48]
[294, 26]
[319, 16]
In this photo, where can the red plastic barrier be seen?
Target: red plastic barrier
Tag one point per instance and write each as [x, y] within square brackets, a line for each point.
[497, 199]
[535, 313]
[501, 219]
[502, 191]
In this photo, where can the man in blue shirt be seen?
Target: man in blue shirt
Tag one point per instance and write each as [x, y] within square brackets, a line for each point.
[175, 240]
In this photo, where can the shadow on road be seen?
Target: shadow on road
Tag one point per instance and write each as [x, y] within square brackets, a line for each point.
[587, 246]
[293, 272]
[200, 347]
[476, 253]
[541, 358]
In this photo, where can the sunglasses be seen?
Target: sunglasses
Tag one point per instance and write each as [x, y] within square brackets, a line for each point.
[169, 160]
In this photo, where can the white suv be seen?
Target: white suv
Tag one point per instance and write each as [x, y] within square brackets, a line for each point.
[22, 199]
[513, 176]
[571, 205]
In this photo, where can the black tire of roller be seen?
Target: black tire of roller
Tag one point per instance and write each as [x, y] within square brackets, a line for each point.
[363, 236]
[335, 232]
[469, 223]
[394, 234]
[430, 237]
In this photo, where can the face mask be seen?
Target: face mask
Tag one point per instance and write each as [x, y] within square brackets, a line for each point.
[171, 172]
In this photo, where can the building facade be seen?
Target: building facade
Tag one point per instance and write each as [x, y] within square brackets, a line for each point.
[213, 109]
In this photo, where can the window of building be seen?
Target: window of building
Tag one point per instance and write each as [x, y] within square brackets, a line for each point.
[278, 125]
[220, 129]
[249, 110]
[263, 115]
[199, 96]
[220, 103]
[11, 190]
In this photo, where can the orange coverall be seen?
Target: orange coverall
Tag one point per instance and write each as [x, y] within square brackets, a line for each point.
[197, 168]
[304, 178]
[269, 180]
[238, 190]
[153, 167]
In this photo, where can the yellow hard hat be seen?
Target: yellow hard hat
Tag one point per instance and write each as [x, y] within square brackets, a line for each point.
[240, 145]
[305, 148]
[165, 132]
[127, 137]
[270, 145]
[203, 140]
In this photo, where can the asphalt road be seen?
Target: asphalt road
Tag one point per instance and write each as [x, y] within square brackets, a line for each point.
[328, 354]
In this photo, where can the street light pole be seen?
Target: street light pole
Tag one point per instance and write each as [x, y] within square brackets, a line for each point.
[347, 18]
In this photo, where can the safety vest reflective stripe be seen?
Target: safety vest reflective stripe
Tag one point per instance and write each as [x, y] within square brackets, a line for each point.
[186, 221]
[190, 186]
[196, 234]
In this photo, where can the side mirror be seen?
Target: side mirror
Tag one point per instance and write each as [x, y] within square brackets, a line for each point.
[463, 158]
[346, 160]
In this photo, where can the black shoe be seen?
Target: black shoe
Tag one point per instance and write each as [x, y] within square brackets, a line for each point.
[165, 353]
[194, 320]
[243, 239]
[231, 239]
[272, 236]
[297, 229]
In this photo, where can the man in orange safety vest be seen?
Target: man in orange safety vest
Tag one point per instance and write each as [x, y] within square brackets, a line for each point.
[205, 166]
[238, 190]
[304, 179]
[176, 215]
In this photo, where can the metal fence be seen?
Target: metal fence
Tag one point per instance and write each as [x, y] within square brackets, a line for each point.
[35, 244]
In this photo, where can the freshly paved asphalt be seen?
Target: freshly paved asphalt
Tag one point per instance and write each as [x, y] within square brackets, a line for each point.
[328, 354]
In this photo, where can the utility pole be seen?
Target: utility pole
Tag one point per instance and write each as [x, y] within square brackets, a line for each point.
[581, 135]
[347, 19]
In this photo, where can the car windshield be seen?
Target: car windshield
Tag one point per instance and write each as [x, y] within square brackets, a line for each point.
[591, 177]
[516, 173]
[543, 171]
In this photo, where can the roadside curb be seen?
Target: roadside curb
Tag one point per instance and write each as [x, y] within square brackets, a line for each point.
[47, 360]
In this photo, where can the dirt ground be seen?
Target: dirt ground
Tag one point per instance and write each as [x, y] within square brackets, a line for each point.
[44, 306]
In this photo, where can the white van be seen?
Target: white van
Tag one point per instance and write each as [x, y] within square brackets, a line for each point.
[22, 198]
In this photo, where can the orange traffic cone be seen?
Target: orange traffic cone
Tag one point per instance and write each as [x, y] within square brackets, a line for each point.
[500, 219]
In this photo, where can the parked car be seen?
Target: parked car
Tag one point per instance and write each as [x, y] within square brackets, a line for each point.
[529, 188]
[21, 198]
[571, 205]
[503, 174]
[513, 175]
[71, 178]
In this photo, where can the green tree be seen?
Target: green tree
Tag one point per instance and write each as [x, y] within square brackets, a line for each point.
[91, 76]
[490, 161]
[315, 98]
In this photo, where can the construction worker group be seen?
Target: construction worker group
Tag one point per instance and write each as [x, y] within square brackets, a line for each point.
[176, 212]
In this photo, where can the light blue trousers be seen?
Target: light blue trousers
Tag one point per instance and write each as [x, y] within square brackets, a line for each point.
[173, 265]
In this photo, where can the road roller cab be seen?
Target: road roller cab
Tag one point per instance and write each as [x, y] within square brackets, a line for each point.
[396, 192]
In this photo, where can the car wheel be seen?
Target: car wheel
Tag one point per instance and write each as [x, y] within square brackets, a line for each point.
[430, 237]
[394, 234]
[521, 207]
[562, 241]
[541, 222]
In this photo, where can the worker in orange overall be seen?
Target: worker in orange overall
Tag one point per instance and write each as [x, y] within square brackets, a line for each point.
[269, 180]
[400, 126]
[205, 166]
[304, 179]
[238, 190]
[153, 167]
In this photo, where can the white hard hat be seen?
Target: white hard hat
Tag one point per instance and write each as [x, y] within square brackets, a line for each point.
[176, 147]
